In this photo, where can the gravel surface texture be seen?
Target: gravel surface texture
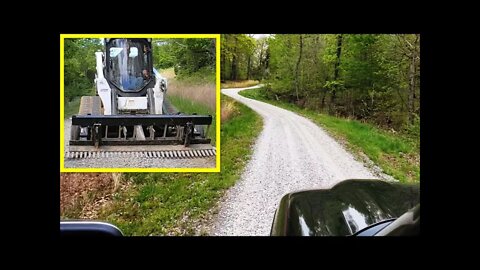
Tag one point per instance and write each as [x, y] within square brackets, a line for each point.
[292, 153]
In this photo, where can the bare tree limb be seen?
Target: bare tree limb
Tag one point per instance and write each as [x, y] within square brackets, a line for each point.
[411, 46]
[406, 52]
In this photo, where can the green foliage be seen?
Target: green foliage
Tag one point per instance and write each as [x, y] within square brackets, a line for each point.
[79, 67]
[189, 57]
[171, 203]
[334, 84]
[71, 107]
[238, 84]
[413, 130]
[203, 75]
[163, 54]
[256, 93]
[372, 82]
[282, 58]
[189, 107]
[396, 154]
[242, 57]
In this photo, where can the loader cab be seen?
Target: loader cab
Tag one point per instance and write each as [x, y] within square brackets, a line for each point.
[128, 65]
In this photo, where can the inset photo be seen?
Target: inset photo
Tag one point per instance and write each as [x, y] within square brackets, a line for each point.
[139, 103]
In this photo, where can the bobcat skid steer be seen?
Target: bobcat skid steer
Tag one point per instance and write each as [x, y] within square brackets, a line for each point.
[128, 115]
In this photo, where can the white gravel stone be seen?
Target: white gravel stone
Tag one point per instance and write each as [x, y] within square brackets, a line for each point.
[291, 153]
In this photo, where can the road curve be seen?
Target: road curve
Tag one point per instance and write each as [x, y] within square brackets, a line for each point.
[291, 153]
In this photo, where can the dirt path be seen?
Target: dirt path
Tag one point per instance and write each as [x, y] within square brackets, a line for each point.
[292, 153]
[133, 162]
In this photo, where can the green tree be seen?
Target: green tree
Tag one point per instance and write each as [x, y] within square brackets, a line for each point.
[79, 66]
[238, 56]
[187, 56]
[365, 76]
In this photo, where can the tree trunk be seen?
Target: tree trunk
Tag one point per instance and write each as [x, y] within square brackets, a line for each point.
[261, 62]
[222, 67]
[416, 93]
[336, 72]
[323, 99]
[297, 69]
[233, 74]
[412, 52]
[411, 89]
[234, 62]
[248, 67]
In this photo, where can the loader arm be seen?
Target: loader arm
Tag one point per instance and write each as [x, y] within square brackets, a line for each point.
[103, 88]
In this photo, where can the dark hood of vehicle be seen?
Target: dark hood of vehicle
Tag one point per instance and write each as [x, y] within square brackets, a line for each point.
[344, 209]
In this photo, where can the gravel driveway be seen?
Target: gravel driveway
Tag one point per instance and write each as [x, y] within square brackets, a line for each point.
[133, 162]
[292, 153]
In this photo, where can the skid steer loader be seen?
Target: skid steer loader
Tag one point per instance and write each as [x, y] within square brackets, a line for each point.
[128, 116]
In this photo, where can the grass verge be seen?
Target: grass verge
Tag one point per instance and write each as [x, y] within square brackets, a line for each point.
[200, 93]
[196, 87]
[71, 108]
[396, 155]
[187, 106]
[82, 194]
[176, 203]
[238, 84]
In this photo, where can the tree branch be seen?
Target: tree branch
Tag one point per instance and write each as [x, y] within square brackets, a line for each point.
[411, 46]
[406, 52]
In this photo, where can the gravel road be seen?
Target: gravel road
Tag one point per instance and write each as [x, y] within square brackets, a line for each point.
[291, 153]
[133, 162]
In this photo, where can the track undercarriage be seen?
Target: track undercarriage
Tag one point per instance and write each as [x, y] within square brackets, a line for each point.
[94, 135]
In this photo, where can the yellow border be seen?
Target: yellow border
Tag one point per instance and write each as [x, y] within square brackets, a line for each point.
[217, 110]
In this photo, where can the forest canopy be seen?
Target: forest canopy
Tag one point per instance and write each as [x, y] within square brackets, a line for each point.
[369, 77]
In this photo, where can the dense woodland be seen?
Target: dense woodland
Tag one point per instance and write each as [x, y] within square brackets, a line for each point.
[79, 66]
[189, 57]
[369, 77]
[374, 78]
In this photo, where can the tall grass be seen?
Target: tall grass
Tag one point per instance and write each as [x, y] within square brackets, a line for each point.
[239, 84]
[228, 110]
[71, 108]
[168, 73]
[201, 76]
[176, 203]
[199, 87]
[81, 194]
[189, 106]
[200, 93]
[397, 155]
